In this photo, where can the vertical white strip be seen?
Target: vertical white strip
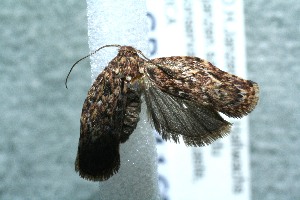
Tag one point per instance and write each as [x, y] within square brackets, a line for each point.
[213, 30]
[125, 23]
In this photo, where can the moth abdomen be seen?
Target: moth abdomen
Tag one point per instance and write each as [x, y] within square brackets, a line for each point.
[131, 112]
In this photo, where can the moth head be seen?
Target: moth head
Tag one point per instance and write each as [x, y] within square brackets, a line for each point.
[128, 51]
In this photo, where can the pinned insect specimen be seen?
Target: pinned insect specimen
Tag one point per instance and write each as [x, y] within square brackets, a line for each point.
[183, 94]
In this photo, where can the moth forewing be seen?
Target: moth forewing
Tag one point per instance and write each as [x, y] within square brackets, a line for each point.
[195, 79]
[98, 150]
[109, 115]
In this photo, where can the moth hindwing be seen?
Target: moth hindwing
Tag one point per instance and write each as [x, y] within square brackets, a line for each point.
[184, 96]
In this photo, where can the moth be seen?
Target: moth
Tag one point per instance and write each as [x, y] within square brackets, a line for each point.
[183, 94]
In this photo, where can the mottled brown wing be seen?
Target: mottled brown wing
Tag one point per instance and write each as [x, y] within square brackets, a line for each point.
[109, 115]
[195, 79]
[174, 116]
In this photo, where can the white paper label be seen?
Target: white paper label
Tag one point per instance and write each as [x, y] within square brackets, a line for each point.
[213, 30]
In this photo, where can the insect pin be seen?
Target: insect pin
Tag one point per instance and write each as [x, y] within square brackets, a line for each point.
[183, 94]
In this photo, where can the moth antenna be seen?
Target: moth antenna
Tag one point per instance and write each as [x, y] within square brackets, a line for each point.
[110, 45]
[141, 53]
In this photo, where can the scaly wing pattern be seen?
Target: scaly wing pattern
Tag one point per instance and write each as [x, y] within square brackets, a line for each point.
[185, 94]
[195, 79]
[110, 114]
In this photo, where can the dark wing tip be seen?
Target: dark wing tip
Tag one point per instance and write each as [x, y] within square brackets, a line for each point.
[98, 175]
[98, 159]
